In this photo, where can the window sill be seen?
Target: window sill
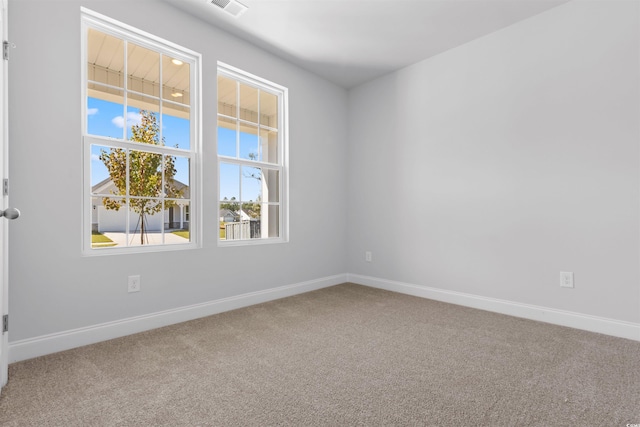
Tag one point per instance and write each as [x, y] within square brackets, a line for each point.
[138, 249]
[251, 242]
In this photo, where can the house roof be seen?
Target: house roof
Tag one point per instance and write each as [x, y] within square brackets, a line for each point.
[241, 213]
[107, 187]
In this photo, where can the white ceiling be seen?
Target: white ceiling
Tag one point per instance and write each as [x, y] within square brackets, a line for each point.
[352, 41]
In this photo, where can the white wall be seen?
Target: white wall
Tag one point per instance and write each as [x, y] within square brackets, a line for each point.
[509, 159]
[53, 288]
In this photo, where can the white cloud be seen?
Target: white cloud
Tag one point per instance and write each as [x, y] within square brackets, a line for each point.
[92, 111]
[132, 119]
[95, 157]
[118, 121]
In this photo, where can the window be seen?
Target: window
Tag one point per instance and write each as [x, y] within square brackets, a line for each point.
[252, 158]
[140, 139]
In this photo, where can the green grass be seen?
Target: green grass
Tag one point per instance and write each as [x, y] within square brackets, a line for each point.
[100, 240]
[182, 233]
[97, 237]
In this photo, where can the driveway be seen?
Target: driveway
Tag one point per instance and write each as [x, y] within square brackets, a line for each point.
[152, 238]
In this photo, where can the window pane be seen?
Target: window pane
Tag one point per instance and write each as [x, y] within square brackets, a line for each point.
[109, 215]
[104, 117]
[227, 97]
[249, 142]
[251, 210]
[271, 187]
[254, 225]
[227, 137]
[176, 175]
[177, 223]
[108, 170]
[268, 109]
[175, 80]
[145, 222]
[145, 174]
[176, 126]
[142, 124]
[272, 222]
[234, 230]
[137, 102]
[248, 103]
[268, 146]
[229, 182]
[98, 226]
[222, 230]
[105, 59]
[251, 184]
[143, 70]
[99, 171]
[232, 206]
[251, 221]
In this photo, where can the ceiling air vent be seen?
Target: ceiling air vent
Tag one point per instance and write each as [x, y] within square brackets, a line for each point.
[232, 7]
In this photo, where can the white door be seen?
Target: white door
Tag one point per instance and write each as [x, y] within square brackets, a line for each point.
[6, 212]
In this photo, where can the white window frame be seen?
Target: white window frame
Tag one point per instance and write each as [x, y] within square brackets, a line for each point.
[91, 19]
[282, 166]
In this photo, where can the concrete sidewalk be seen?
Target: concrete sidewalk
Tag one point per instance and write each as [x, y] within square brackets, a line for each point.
[151, 238]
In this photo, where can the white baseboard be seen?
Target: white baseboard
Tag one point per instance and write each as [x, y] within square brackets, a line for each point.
[601, 325]
[47, 344]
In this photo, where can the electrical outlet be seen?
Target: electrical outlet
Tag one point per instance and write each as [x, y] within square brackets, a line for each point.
[367, 256]
[134, 283]
[566, 279]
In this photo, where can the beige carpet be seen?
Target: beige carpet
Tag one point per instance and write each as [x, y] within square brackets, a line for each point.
[342, 356]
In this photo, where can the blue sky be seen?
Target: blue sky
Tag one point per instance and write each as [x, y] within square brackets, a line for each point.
[106, 119]
[231, 176]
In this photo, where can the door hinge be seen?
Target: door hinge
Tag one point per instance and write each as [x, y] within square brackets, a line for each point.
[5, 50]
[5, 187]
[5, 323]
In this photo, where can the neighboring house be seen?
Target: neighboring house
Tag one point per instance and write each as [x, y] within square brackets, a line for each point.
[227, 215]
[103, 219]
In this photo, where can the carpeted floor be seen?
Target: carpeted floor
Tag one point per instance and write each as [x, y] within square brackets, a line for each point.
[341, 356]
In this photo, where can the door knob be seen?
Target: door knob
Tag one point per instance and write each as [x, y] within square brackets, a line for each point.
[10, 213]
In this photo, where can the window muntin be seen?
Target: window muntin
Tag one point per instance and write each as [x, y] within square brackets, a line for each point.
[140, 138]
[252, 165]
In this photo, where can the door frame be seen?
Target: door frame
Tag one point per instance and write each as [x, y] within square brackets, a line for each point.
[4, 135]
